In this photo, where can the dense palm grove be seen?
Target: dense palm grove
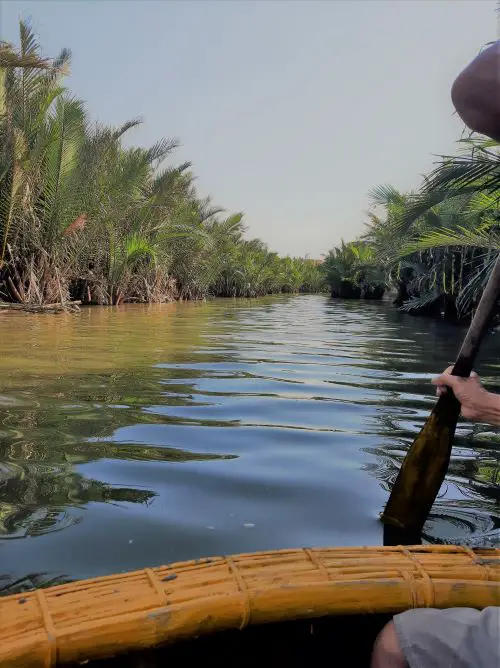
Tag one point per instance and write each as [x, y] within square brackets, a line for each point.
[82, 217]
[432, 249]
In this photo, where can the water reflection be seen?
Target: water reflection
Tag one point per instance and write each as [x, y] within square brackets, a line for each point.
[171, 432]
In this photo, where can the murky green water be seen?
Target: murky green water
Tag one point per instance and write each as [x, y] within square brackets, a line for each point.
[135, 436]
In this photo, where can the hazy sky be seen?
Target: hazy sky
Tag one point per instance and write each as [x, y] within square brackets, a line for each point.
[290, 111]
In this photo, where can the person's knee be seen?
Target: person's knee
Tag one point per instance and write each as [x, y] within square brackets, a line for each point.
[387, 652]
[475, 93]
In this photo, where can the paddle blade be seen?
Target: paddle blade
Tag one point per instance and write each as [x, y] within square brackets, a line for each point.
[424, 468]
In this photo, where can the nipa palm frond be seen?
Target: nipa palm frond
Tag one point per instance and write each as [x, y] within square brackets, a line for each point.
[479, 238]
[162, 149]
[65, 134]
[422, 301]
[475, 284]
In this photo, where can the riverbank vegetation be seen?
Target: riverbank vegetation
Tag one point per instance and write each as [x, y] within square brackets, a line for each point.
[83, 217]
[433, 249]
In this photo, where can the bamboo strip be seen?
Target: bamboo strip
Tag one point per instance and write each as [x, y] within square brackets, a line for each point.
[104, 616]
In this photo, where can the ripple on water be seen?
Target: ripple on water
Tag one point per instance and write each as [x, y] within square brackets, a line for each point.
[135, 436]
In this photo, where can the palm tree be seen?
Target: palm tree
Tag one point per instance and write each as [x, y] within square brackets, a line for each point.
[448, 232]
[41, 127]
[353, 270]
[83, 217]
[476, 170]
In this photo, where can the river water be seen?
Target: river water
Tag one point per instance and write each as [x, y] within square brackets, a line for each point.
[139, 435]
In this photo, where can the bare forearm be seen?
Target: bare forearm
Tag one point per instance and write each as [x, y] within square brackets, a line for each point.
[489, 412]
[477, 404]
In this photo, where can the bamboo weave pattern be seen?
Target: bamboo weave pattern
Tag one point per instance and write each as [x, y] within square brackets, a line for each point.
[102, 617]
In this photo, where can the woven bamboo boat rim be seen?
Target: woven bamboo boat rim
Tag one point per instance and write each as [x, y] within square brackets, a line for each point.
[102, 617]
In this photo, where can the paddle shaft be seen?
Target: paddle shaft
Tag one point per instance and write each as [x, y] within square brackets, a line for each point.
[479, 325]
[426, 463]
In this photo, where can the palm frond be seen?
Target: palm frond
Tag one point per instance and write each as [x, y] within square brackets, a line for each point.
[479, 238]
[128, 125]
[475, 284]
[162, 149]
[385, 195]
[137, 248]
[65, 133]
[422, 301]
[27, 38]
[10, 59]
[62, 61]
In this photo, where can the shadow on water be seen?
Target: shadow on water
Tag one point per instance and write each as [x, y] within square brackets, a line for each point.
[140, 435]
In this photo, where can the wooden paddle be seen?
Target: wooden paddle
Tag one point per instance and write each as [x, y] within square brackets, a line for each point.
[425, 465]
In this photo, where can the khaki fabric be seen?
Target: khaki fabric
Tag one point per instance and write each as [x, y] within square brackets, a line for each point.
[452, 638]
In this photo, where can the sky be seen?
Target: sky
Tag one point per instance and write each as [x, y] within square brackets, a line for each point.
[289, 110]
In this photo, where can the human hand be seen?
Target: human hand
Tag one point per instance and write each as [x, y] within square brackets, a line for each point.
[477, 404]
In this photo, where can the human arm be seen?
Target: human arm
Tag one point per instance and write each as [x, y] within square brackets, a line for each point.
[477, 404]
